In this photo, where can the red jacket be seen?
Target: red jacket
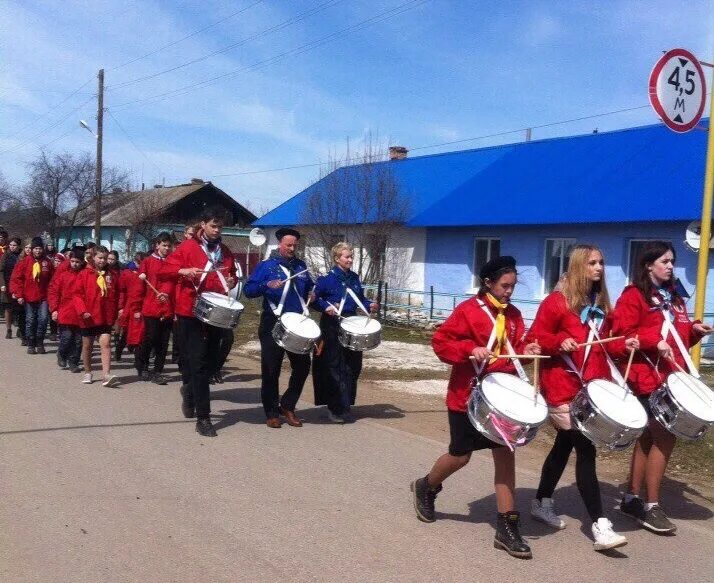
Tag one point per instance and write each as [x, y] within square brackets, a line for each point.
[190, 253]
[151, 307]
[88, 298]
[22, 284]
[553, 323]
[127, 279]
[60, 296]
[633, 315]
[467, 328]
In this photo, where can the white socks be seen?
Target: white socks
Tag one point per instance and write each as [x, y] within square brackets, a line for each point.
[650, 505]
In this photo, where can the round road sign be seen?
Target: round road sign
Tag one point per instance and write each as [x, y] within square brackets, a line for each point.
[678, 90]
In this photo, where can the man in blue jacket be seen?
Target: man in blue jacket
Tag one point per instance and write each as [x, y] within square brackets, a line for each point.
[268, 280]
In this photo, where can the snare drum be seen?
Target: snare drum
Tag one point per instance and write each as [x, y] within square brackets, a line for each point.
[360, 333]
[506, 409]
[296, 333]
[684, 405]
[217, 310]
[608, 415]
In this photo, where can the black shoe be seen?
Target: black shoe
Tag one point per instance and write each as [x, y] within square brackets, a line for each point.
[8, 334]
[53, 337]
[31, 350]
[75, 368]
[187, 407]
[23, 341]
[61, 362]
[205, 427]
[144, 376]
[41, 348]
[508, 536]
[218, 377]
[117, 357]
[634, 508]
[424, 497]
[159, 379]
[655, 520]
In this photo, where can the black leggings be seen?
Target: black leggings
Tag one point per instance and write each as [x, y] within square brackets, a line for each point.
[585, 475]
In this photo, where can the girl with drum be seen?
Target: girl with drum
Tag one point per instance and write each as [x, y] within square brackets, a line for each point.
[466, 334]
[335, 369]
[571, 315]
[653, 308]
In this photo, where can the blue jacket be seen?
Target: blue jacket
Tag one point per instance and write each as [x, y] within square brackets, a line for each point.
[333, 286]
[268, 270]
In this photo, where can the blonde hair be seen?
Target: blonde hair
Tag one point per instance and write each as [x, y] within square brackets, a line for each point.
[575, 285]
[338, 248]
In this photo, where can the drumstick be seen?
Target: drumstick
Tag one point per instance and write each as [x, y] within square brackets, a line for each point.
[629, 364]
[536, 377]
[516, 356]
[143, 277]
[295, 275]
[603, 341]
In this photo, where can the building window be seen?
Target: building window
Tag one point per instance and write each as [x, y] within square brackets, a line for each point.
[633, 255]
[484, 251]
[555, 264]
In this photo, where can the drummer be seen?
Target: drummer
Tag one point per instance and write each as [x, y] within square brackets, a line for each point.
[655, 294]
[335, 369]
[576, 313]
[481, 327]
[201, 264]
[268, 280]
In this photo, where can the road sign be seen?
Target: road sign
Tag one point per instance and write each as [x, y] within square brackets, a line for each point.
[678, 90]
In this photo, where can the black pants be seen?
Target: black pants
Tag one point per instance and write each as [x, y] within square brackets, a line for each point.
[335, 369]
[175, 352]
[585, 475]
[271, 359]
[156, 338]
[21, 320]
[199, 344]
[224, 349]
[70, 344]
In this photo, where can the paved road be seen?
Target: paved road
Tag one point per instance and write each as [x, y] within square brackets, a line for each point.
[105, 485]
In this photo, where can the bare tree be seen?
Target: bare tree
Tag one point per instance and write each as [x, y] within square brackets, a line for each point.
[8, 194]
[141, 217]
[359, 200]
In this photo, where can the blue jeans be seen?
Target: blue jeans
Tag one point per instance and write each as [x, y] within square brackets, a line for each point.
[36, 316]
[70, 344]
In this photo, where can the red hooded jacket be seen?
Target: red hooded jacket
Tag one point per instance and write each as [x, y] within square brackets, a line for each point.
[633, 315]
[151, 307]
[88, 298]
[555, 322]
[466, 328]
[60, 296]
[22, 284]
[190, 253]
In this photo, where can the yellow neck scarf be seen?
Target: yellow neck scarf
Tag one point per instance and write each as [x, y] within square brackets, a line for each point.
[36, 270]
[101, 282]
[500, 324]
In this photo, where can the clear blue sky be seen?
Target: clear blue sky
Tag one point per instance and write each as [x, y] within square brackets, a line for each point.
[441, 71]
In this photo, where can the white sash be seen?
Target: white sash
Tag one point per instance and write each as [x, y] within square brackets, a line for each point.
[668, 328]
[492, 340]
[278, 310]
[594, 334]
[211, 266]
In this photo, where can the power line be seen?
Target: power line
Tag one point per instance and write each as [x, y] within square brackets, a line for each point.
[267, 31]
[133, 143]
[194, 33]
[384, 15]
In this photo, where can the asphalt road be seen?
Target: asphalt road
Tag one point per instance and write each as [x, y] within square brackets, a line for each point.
[103, 485]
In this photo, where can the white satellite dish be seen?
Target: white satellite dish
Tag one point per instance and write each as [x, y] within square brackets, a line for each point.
[257, 237]
[693, 236]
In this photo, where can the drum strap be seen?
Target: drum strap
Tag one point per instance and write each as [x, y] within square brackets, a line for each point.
[211, 266]
[594, 334]
[278, 310]
[492, 340]
[355, 298]
[668, 328]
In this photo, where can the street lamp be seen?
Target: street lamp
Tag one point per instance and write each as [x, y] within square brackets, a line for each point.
[85, 125]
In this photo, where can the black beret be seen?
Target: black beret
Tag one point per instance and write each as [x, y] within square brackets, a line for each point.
[284, 231]
[37, 242]
[495, 265]
[78, 251]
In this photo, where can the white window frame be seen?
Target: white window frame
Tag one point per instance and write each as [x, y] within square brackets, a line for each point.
[475, 282]
[630, 259]
[568, 241]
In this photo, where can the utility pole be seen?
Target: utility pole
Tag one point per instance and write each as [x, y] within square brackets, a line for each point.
[98, 179]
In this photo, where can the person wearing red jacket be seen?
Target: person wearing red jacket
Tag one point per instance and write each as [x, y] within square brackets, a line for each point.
[157, 311]
[465, 334]
[96, 301]
[194, 267]
[130, 332]
[641, 310]
[61, 303]
[29, 283]
[567, 317]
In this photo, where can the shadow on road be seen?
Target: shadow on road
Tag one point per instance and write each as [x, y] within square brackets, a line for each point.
[106, 426]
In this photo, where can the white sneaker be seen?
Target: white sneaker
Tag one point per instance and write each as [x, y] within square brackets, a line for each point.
[110, 381]
[544, 511]
[605, 537]
[87, 379]
[334, 418]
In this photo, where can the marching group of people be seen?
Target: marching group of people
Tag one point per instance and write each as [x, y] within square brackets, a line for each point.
[85, 293]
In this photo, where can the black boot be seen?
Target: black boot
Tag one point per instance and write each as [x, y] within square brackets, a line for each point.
[424, 498]
[508, 536]
[41, 347]
[61, 362]
[8, 334]
[205, 427]
[187, 407]
[23, 341]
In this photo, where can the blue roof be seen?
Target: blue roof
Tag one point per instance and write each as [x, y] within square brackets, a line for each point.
[639, 174]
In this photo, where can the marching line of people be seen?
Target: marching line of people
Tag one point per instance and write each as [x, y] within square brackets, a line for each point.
[578, 335]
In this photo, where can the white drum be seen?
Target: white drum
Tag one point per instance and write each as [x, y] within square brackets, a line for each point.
[684, 405]
[217, 310]
[296, 333]
[608, 415]
[360, 333]
[506, 409]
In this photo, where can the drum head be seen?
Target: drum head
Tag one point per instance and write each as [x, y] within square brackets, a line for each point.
[514, 398]
[301, 325]
[617, 403]
[222, 300]
[693, 395]
[361, 325]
